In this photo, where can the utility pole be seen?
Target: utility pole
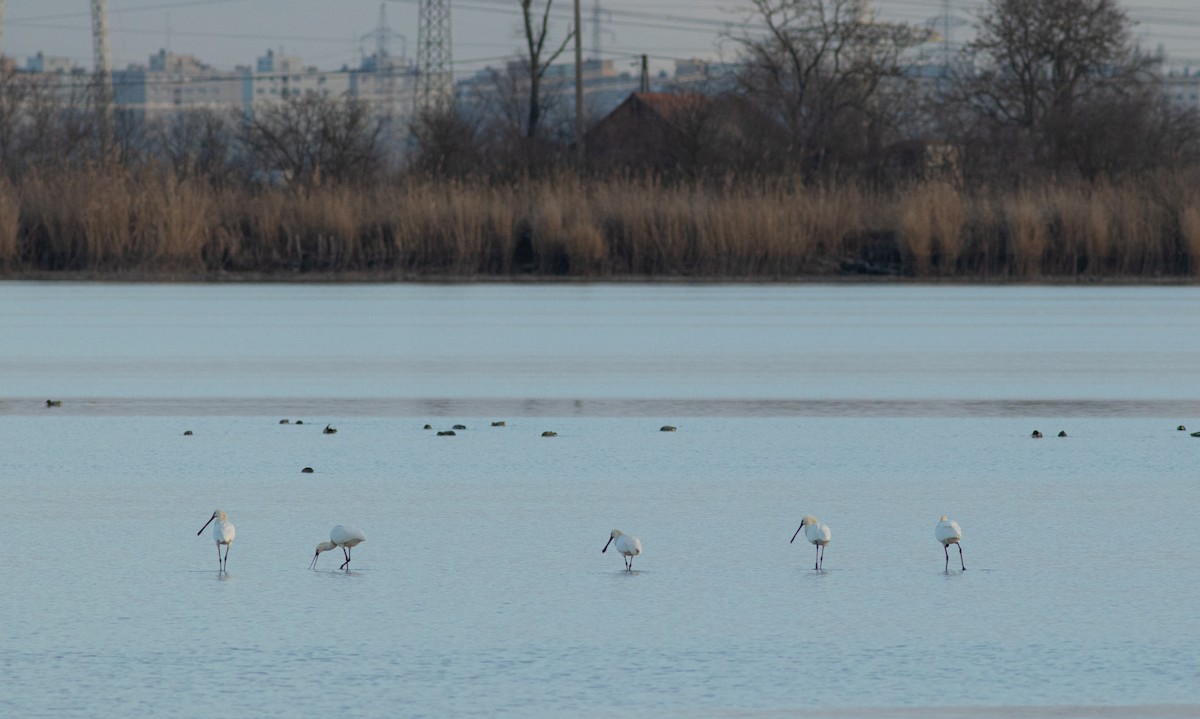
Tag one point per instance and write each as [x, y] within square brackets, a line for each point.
[435, 77]
[579, 150]
[385, 67]
[644, 84]
[596, 29]
[102, 70]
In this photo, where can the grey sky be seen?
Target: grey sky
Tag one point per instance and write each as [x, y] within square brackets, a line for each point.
[326, 33]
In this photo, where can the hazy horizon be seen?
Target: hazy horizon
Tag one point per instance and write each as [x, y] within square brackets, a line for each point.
[227, 33]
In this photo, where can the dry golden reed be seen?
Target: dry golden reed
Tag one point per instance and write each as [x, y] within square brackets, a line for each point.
[10, 225]
[1189, 228]
[110, 220]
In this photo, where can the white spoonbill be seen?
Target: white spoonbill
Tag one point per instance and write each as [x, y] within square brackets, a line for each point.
[223, 533]
[628, 546]
[948, 532]
[816, 533]
[340, 536]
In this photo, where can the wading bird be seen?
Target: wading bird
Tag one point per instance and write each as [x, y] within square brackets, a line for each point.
[340, 536]
[223, 533]
[628, 546]
[948, 532]
[816, 533]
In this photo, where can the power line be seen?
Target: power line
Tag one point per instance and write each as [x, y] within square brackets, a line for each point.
[164, 6]
[648, 20]
[197, 33]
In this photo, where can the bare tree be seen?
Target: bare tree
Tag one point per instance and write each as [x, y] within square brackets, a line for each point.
[1057, 81]
[504, 134]
[128, 141]
[195, 143]
[314, 139]
[18, 131]
[538, 59]
[818, 68]
[45, 120]
[446, 145]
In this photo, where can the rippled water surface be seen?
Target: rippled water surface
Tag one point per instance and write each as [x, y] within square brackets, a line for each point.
[481, 590]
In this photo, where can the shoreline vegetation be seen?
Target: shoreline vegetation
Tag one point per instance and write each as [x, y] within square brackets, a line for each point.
[817, 155]
[121, 224]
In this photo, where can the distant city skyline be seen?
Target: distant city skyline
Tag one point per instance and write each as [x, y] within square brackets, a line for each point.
[327, 34]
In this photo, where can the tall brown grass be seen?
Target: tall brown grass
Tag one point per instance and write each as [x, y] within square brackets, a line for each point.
[1189, 229]
[10, 225]
[930, 228]
[110, 220]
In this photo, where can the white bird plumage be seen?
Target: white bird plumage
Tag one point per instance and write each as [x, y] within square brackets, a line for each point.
[816, 533]
[223, 533]
[340, 536]
[948, 532]
[628, 546]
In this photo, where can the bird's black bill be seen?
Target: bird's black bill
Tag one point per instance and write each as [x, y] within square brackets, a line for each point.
[797, 534]
[210, 519]
[602, 551]
[313, 563]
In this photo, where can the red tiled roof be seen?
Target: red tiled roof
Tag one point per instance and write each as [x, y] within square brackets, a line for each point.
[667, 104]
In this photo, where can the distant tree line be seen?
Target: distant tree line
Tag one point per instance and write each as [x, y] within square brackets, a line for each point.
[1048, 88]
[1048, 149]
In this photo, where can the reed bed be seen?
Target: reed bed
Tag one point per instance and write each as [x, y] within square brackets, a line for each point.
[113, 221]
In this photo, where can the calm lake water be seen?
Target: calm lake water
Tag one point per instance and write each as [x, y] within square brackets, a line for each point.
[481, 590]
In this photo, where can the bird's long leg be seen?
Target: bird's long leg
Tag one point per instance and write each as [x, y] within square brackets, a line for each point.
[960, 557]
[225, 562]
[822, 555]
[346, 554]
[220, 566]
[817, 557]
[946, 547]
